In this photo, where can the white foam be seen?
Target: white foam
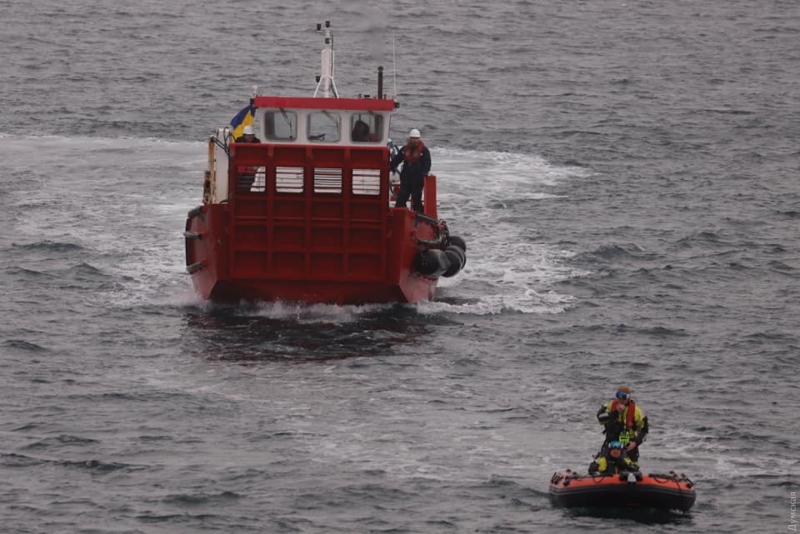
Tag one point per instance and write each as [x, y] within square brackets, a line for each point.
[479, 192]
[315, 313]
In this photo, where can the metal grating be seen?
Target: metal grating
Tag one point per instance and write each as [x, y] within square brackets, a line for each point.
[366, 182]
[327, 180]
[289, 179]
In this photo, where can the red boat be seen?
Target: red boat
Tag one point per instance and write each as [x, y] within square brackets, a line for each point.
[306, 214]
[627, 490]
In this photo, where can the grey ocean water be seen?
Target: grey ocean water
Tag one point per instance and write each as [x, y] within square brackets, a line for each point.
[625, 174]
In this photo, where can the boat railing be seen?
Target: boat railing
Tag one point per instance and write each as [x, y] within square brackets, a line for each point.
[261, 169]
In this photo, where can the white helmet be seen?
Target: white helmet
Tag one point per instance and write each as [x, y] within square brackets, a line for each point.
[248, 130]
[414, 133]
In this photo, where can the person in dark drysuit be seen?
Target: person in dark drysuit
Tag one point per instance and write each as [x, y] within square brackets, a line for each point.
[416, 160]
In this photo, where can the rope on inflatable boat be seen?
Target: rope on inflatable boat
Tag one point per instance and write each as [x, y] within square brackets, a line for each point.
[663, 479]
[672, 477]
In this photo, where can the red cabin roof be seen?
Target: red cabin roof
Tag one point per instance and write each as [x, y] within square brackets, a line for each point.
[355, 104]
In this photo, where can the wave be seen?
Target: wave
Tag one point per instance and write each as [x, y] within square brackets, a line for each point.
[790, 214]
[99, 466]
[95, 466]
[782, 268]
[652, 331]
[24, 345]
[28, 272]
[201, 499]
[617, 252]
[50, 246]
[700, 238]
[84, 269]
[59, 441]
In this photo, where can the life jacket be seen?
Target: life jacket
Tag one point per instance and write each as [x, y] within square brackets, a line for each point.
[412, 156]
[629, 420]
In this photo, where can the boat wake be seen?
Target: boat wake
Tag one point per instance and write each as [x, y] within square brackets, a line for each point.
[508, 270]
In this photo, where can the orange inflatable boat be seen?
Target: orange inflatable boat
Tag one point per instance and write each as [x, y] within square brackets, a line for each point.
[666, 492]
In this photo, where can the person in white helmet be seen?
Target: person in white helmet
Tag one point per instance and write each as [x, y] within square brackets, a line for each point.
[248, 136]
[245, 179]
[416, 160]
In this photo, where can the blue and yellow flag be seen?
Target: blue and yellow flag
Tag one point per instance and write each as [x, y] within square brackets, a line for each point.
[242, 119]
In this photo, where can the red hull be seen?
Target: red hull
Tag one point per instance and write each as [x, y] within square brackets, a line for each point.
[315, 273]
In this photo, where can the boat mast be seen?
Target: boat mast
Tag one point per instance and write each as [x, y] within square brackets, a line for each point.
[325, 84]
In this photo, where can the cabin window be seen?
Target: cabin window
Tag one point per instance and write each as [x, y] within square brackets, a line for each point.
[324, 127]
[280, 125]
[366, 128]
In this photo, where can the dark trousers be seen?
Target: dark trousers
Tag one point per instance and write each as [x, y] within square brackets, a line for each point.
[412, 189]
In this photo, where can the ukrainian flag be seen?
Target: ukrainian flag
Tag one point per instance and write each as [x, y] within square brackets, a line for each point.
[242, 119]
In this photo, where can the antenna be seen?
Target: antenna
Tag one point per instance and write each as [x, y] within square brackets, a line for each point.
[394, 65]
[325, 79]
